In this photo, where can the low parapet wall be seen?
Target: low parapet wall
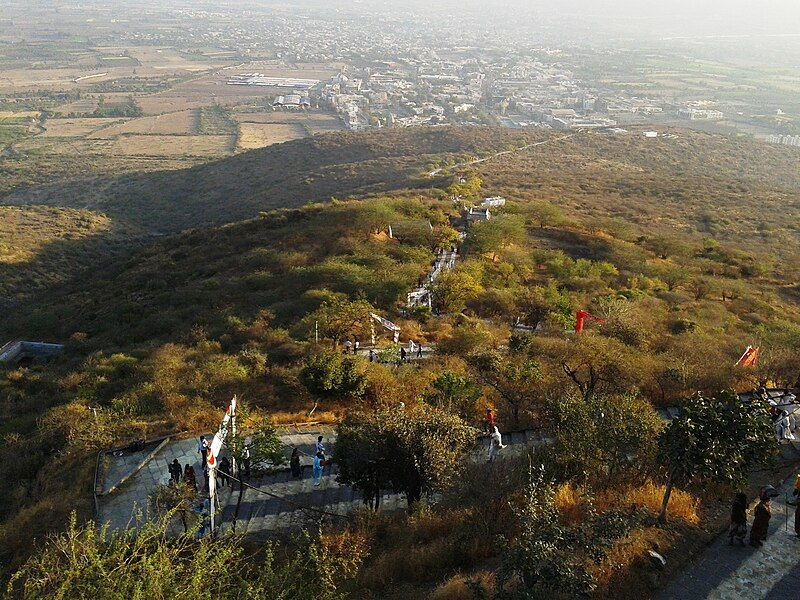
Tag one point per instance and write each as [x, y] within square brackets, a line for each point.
[18, 350]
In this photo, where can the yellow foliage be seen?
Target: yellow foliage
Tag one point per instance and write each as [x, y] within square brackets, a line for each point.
[569, 502]
[626, 551]
[458, 587]
[683, 506]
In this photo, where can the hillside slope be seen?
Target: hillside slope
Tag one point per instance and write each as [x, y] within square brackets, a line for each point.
[736, 190]
[280, 176]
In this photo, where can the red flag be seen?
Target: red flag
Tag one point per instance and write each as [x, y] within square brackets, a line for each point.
[749, 358]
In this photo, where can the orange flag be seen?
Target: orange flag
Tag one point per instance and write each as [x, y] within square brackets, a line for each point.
[749, 358]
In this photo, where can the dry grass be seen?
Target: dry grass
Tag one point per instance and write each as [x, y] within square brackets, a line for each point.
[176, 123]
[626, 552]
[260, 135]
[172, 145]
[459, 587]
[683, 506]
[25, 231]
[328, 417]
[421, 549]
[570, 504]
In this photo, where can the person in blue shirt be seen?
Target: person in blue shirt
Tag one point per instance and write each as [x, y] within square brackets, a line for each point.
[318, 458]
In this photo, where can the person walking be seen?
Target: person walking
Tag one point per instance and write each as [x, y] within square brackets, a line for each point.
[319, 447]
[495, 444]
[248, 441]
[738, 528]
[318, 458]
[189, 477]
[202, 448]
[294, 463]
[763, 513]
[490, 424]
[419, 350]
[224, 470]
[175, 471]
[785, 427]
[356, 347]
[371, 355]
[347, 345]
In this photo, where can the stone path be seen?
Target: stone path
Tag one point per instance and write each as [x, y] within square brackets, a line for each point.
[290, 503]
[725, 572]
[477, 161]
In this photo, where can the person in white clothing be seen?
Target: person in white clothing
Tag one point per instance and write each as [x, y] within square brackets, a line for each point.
[495, 444]
[783, 429]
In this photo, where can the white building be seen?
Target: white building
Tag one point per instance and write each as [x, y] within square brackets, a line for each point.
[494, 202]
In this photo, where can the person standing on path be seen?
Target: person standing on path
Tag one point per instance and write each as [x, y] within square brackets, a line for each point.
[175, 471]
[402, 355]
[347, 345]
[319, 447]
[189, 477]
[294, 463]
[490, 424]
[738, 528]
[495, 444]
[202, 448]
[763, 513]
[318, 457]
[224, 470]
[419, 350]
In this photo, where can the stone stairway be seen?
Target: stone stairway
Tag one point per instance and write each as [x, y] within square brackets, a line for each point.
[291, 503]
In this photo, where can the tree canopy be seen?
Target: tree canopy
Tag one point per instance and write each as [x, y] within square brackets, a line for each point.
[413, 452]
[717, 439]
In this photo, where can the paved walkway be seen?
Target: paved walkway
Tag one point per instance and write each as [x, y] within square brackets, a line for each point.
[727, 572]
[477, 161]
[289, 503]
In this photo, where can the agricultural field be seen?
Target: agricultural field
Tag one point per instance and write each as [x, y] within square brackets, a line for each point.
[76, 128]
[261, 129]
[177, 123]
[173, 146]
[212, 88]
[16, 126]
[260, 135]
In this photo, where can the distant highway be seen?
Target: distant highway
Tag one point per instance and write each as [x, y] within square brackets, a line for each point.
[476, 161]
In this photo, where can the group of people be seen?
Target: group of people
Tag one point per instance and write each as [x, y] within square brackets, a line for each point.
[351, 347]
[185, 474]
[318, 464]
[782, 412]
[762, 514]
[188, 475]
[413, 350]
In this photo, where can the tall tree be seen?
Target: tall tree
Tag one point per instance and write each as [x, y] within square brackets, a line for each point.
[490, 237]
[516, 379]
[413, 452]
[454, 393]
[340, 318]
[717, 439]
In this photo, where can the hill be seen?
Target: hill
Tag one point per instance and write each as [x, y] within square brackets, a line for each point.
[158, 340]
[735, 190]
[280, 176]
